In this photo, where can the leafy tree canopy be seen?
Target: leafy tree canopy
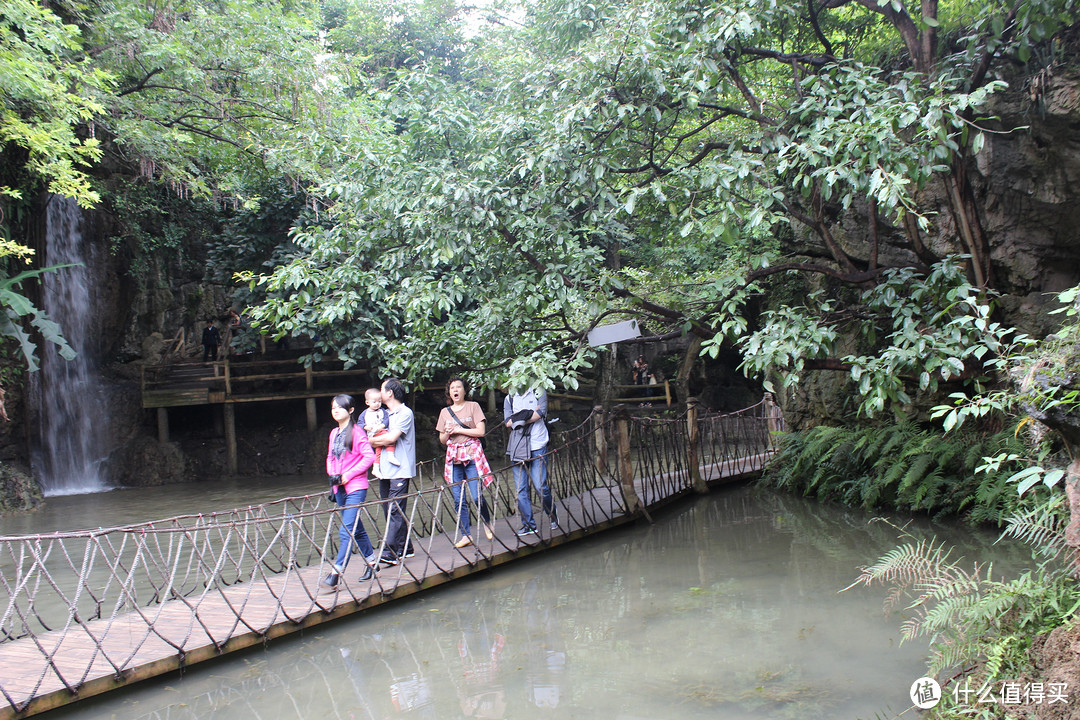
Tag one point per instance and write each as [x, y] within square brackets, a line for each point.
[495, 214]
[48, 95]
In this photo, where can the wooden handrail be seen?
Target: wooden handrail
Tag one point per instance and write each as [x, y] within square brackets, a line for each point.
[666, 395]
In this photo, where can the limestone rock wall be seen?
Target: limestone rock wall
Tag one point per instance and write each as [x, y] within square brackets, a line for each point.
[1026, 182]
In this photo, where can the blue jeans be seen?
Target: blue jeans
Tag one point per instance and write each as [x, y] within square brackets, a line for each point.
[461, 472]
[536, 469]
[352, 528]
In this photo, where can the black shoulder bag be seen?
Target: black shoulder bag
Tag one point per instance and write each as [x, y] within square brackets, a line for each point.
[458, 421]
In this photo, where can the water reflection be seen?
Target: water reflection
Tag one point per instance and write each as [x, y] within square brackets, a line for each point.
[725, 608]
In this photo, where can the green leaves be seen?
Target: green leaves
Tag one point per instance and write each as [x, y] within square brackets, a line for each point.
[860, 133]
[16, 307]
[48, 91]
[920, 331]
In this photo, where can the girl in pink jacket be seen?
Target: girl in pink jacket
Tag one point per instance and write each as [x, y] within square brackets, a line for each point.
[347, 462]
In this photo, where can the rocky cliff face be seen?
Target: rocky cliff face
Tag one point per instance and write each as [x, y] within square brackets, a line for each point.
[1029, 184]
[1026, 182]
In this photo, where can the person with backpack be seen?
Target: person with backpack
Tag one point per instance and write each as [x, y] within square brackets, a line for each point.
[525, 415]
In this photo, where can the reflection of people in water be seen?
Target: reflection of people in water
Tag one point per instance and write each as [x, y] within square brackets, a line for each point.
[503, 660]
[546, 654]
[387, 662]
[361, 684]
[481, 694]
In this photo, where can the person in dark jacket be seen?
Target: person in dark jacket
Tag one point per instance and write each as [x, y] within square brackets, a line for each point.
[211, 338]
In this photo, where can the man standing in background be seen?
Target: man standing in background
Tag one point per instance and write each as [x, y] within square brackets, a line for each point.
[526, 416]
[211, 338]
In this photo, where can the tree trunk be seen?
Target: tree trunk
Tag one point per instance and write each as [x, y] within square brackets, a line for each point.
[605, 389]
[682, 380]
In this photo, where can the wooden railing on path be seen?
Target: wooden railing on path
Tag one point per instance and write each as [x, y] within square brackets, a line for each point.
[230, 381]
[657, 393]
[86, 612]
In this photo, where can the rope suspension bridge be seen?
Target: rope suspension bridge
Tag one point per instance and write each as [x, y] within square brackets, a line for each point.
[86, 612]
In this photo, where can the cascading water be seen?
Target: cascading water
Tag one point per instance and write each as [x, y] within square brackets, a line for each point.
[72, 399]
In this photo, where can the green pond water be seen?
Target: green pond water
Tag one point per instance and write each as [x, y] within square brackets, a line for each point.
[728, 606]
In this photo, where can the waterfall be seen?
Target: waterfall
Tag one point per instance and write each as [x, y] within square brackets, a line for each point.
[73, 404]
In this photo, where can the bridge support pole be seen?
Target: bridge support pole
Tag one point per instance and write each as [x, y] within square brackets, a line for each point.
[600, 438]
[309, 383]
[774, 420]
[693, 447]
[163, 425]
[230, 436]
[626, 467]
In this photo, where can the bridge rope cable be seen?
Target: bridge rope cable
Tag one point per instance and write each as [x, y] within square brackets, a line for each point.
[100, 601]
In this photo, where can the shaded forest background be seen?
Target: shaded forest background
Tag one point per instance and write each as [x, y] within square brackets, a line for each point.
[867, 208]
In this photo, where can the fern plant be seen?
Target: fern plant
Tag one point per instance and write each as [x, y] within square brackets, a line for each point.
[980, 628]
[898, 466]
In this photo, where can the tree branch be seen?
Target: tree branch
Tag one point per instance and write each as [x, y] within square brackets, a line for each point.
[813, 59]
[817, 28]
[140, 85]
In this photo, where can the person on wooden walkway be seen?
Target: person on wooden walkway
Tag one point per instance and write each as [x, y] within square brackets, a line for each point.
[347, 461]
[211, 338]
[525, 414]
[460, 426]
[394, 480]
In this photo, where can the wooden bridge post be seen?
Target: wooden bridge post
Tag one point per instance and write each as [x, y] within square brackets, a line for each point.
[230, 436]
[600, 438]
[163, 425]
[309, 383]
[626, 464]
[693, 446]
[774, 419]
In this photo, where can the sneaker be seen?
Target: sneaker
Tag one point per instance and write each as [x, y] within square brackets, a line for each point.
[488, 532]
[523, 531]
[555, 524]
[389, 558]
[409, 552]
[463, 542]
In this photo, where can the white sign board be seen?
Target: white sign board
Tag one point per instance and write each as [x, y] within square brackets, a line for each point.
[618, 332]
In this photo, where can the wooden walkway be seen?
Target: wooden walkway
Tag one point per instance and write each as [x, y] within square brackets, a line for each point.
[242, 379]
[50, 669]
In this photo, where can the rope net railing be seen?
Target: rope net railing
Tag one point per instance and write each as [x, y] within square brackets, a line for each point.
[93, 603]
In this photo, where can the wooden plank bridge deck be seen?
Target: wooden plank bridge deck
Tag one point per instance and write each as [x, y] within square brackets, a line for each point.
[50, 669]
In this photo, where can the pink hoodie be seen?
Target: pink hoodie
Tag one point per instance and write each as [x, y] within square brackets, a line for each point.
[353, 465]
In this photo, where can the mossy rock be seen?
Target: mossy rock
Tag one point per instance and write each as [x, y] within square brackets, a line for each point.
[19, 492]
